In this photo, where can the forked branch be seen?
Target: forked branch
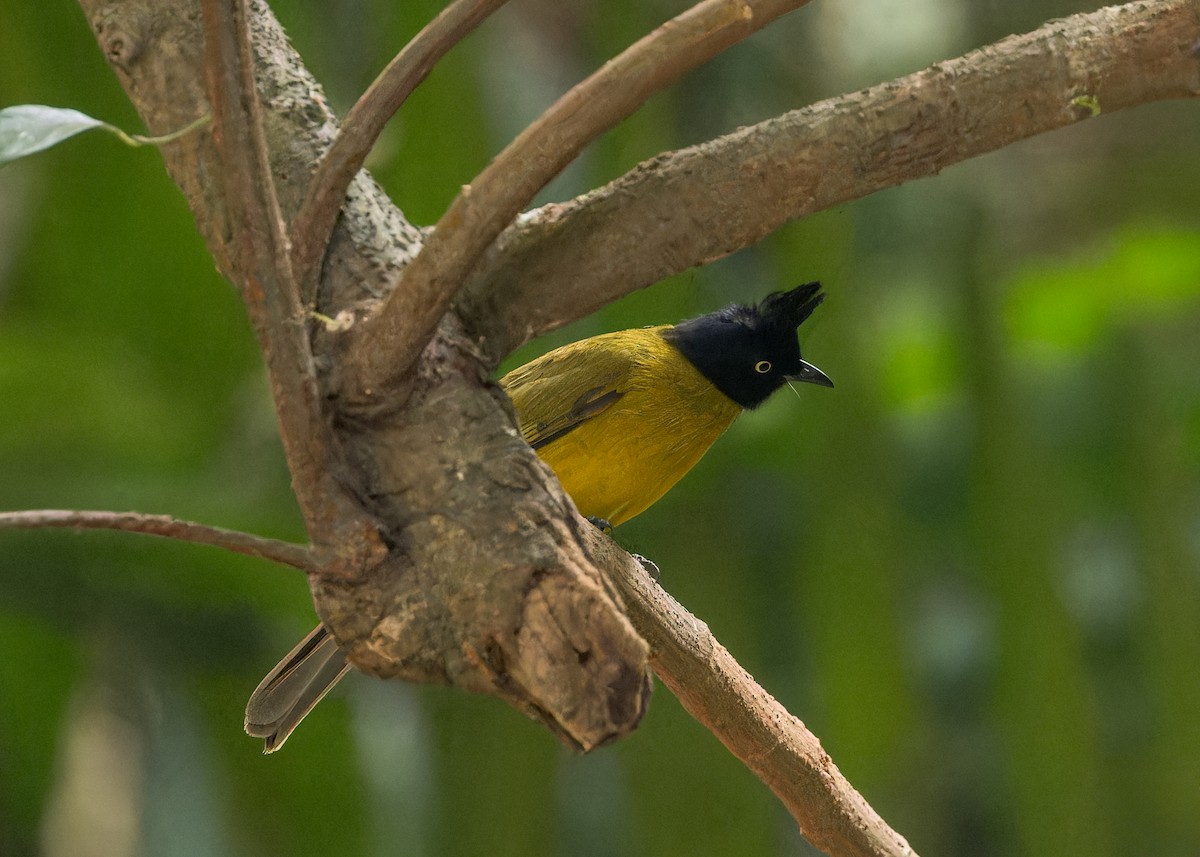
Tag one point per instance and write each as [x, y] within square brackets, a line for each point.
[694, 205]
[262, 268]
[389, 342]
[764, 176]
[365, 121]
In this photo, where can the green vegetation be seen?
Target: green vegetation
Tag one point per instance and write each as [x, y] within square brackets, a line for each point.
[971, 569]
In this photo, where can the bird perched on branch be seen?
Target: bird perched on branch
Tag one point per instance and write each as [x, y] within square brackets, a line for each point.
[620, 418]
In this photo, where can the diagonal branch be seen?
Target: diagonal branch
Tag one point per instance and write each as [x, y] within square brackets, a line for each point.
[773, 743]
[389, 342]
[692, 206]
[910, 128]
[262, 262]
[285, 553]
[259, 253]
[365, 121]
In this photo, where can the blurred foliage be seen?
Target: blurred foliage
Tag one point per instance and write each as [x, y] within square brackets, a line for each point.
[971, 568]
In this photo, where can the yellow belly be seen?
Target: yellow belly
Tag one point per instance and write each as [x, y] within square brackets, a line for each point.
[621, 461]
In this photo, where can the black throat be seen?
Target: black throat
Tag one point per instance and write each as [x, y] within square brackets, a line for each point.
[713, 345]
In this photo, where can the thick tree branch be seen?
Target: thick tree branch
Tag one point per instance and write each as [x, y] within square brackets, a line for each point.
[487, 586]
[692, 206]
[388, 343]
[482, 582]
[285, 553]
[365, 121]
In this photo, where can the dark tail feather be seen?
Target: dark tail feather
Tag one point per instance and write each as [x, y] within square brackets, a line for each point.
[296, 684]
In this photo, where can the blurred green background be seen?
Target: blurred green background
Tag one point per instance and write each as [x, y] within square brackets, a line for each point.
[972, 568]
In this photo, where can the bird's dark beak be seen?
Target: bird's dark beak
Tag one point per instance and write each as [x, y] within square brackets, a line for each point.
[810, 374]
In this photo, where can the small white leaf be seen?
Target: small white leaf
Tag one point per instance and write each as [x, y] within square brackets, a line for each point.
[29, 128]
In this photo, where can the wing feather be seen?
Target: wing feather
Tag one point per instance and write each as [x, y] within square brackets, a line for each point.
[562, 390]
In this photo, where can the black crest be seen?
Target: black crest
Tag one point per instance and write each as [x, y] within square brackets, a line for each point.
[749, 352]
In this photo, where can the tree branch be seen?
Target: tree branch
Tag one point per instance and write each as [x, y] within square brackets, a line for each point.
[388, 342]
[261, 265]
[450, 467]
[285, 553]
[773, 743]
[692, 206]
[482, 583]
[365, 121]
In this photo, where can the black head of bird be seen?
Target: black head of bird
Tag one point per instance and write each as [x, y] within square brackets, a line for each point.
[749, 352]
[620, 418]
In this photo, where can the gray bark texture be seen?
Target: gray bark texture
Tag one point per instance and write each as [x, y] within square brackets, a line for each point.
[444, 550]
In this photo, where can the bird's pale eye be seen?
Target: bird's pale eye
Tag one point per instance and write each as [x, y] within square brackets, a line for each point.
[762, 367]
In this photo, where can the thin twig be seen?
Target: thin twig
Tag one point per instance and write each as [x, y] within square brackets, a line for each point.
[364, 123]
[773, 743]
[389, 342]
[705, 201]
[285, 553]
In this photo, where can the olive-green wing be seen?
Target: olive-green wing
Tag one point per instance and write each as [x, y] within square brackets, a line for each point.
[561, 390]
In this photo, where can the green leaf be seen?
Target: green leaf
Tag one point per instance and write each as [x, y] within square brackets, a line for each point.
[26, 129]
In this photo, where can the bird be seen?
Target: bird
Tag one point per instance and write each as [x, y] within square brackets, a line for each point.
[620, 418]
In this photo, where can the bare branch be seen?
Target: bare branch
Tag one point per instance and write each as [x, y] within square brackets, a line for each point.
[774, 744]
[259, 244]
[364, 123]
[389, 342]
[285, 553]
[249, 186]
[695, 205]
[262, 262]
[799, 163]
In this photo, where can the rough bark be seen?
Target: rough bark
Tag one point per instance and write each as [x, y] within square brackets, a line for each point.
[387, 341]
[448, 552]
[474, 588]
[695, 205]
[752, 724]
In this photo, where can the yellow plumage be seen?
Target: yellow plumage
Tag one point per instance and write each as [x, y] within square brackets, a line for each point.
[619, 417]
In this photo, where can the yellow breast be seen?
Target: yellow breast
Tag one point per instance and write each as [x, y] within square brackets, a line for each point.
[663, 418]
